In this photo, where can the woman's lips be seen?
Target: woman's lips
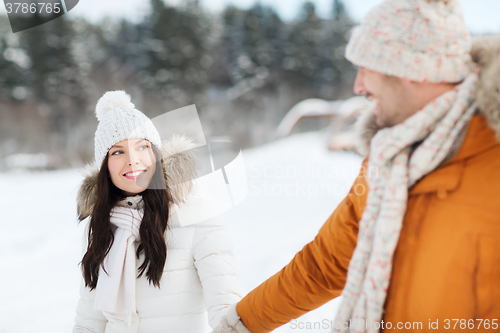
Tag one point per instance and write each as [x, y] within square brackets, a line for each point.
[134, 176]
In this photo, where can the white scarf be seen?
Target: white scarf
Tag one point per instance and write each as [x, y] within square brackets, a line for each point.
[115, 293]
[438, 124]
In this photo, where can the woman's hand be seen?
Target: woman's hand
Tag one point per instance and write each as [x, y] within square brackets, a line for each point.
[231, 322]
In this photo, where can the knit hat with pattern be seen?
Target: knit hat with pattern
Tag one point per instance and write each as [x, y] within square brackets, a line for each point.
[420, 40]
[120, 120]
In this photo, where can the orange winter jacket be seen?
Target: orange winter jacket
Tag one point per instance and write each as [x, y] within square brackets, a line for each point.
[446, 264]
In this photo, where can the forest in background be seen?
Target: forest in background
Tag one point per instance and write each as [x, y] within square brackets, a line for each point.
[242, 68]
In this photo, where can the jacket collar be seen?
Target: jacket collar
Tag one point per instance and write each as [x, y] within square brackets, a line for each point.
[180, 166]
[480, 137]
[134, 202]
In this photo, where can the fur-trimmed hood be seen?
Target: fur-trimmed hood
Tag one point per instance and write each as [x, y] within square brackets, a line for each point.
[180, 166]
[486, 53]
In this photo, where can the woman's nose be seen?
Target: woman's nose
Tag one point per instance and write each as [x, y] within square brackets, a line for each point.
[134, 159]
[359, 87]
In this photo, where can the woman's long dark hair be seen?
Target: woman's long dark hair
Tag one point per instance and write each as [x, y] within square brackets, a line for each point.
[156, 198]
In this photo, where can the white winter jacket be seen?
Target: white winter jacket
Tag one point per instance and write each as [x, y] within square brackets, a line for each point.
[199, 275]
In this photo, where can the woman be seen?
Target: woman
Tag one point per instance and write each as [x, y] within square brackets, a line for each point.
[142, 271]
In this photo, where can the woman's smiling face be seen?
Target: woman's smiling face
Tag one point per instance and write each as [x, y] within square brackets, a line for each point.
[131, 165]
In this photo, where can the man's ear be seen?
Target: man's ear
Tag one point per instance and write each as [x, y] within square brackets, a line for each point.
[410, 83]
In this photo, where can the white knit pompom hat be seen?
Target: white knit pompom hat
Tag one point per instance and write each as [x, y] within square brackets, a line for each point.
[120, 120]
[421, 40]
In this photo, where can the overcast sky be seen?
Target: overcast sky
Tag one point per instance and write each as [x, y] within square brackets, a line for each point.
[481, 16]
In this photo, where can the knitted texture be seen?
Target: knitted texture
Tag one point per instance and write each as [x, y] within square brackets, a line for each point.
[421, 40]
[115, 290]
[438, 124]
[120, 120]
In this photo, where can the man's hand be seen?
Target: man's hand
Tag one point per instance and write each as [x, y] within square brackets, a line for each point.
[231, 323]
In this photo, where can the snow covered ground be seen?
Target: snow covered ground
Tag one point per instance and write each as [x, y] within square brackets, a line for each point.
[294, 185]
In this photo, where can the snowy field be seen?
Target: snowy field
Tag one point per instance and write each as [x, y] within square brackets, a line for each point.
[294, 185]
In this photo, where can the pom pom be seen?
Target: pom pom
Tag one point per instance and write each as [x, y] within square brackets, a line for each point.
[112, 100]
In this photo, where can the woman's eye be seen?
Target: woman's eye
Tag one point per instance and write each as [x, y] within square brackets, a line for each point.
[144, 147]
[116, 152]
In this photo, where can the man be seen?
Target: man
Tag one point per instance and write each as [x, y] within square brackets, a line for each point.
[420, 248]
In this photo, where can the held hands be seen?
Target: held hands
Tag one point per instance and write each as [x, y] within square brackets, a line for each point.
[231, 322]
